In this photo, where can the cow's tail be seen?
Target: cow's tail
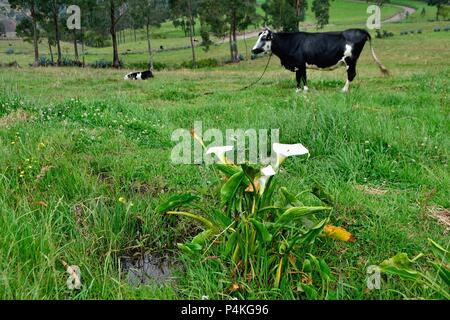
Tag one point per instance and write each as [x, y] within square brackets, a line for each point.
[383, 69]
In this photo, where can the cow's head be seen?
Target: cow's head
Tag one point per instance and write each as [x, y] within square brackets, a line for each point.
[264, 43]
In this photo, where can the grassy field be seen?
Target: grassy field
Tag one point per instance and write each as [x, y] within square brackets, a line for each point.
[85, 160]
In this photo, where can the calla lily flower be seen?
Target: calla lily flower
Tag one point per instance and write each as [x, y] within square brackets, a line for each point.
[266, 173]
[220, 152]
[284, 151]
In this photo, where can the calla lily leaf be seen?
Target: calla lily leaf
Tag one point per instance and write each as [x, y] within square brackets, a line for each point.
[296, 214]
[400, 265]
[230, 188]
[176, 201]
[263, 233]
[204, 237]
[196, 217]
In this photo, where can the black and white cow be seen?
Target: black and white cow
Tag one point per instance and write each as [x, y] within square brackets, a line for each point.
[299, 51]
[144, 75]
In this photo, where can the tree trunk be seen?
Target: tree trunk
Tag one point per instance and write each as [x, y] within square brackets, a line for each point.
[57, 35]
[233, 37]
[82, 47]
[149, 44]
[116, 62]
[35, 35]
[51, 52]
[191, 34]
[75, 46]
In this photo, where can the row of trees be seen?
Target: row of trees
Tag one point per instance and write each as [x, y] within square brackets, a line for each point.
[103, 19]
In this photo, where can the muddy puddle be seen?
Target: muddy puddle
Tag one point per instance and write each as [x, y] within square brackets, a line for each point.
[149, 269]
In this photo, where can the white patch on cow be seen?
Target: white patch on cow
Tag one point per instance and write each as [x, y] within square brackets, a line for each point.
[348, 51]
[139, 76]
[347, 54]
[265, 45]
[347, 85]
[126, 77]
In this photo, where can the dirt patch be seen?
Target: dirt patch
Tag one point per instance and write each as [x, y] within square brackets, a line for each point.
[14, 117]
[149, 269]
[156, 187]
[442, 215]
[372, 190]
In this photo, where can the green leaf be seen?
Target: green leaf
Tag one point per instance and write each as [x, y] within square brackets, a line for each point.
[325, 270]
[307, 267]
[230, 188]
[314, 232]
[221, 219]
[261, 230]
[231, 244]
[250, 171]
[400, 265]
[196, 217]
[309, 290]
[175, 202]
[297, 213]
[439, 252]
[291, 199]
[227, 169]
[189, 248]
[204, 237]
[443, 272]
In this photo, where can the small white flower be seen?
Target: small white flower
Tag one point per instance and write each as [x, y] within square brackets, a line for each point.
[220, 152]
[205, 297]
[284, 151]
[266, 173]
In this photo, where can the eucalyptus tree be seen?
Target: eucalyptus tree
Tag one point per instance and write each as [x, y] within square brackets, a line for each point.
[186, 10]
[285, 15]
[147, 14]
[30, 6]
[229, 17]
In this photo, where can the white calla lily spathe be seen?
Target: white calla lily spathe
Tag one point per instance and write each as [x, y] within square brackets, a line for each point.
[266, 173]
[220, 152]
[284, 151]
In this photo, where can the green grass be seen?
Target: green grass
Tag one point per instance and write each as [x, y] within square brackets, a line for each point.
[91, 138]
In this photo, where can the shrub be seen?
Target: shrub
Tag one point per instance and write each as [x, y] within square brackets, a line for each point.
[262, 233]
[44, 61]
[101, 64]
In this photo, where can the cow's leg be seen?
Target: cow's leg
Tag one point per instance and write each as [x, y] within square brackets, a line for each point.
[301, 77]
[351, 73]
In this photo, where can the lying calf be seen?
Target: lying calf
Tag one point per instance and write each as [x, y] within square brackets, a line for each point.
[144, 75]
